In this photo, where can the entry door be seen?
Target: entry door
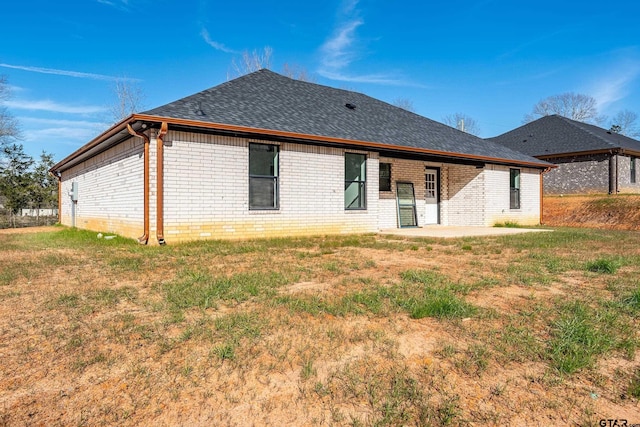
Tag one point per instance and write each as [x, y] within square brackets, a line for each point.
[406, 204]
[431, 197]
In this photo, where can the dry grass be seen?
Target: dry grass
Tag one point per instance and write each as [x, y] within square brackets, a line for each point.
[355, 330]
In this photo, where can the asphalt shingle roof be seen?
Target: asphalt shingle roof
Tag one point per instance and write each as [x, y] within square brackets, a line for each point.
[555, 135]
[267, 100]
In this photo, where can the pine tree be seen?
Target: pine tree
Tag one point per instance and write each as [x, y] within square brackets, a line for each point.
[15, 178]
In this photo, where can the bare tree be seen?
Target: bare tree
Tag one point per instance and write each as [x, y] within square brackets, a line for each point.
[250, 62]
[462, 122]
[129, 99]
[9, 128]
[625, 123]
[405, 104]
[571, 105]
[297, 72]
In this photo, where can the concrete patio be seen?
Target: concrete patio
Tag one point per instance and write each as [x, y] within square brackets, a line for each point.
[441, 231]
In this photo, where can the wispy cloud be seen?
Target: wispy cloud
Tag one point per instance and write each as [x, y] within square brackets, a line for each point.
[54, 107]
[15, 89]
[522, 78]
[616, 83]
[122, 4]
[86, 124]
[59, 132]
[62, 135]
[214, 44]
[338, 51]
[528, 44]
[348, 7]
[343, 48]
[381, 79]
[77, 74]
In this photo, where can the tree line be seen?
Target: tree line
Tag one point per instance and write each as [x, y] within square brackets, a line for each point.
[25, 182]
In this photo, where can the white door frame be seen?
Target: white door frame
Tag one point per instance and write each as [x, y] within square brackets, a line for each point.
[432, 195]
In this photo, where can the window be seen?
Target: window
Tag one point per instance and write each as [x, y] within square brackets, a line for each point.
[430, 184]
[355, 173]
[263, 176]
[514, 183]
[632, 177]
[385, 176]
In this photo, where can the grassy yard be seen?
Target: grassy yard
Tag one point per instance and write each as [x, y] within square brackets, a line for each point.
[367, 330]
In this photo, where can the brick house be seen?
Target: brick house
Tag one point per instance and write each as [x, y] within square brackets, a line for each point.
[265, 155]
[589, 159]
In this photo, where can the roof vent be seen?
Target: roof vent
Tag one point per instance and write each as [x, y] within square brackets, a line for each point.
[199, 111]
[350, 106]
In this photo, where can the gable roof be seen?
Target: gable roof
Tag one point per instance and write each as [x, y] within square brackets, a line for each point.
[555, 136]
[267, 100]
[265, 103]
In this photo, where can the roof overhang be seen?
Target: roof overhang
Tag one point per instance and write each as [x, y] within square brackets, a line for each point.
[118, 133]
[617, 150]
[111, 137]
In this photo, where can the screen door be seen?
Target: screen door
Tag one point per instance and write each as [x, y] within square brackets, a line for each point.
[406, 204]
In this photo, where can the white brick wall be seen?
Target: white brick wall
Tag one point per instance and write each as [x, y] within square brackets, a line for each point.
[206, 190]
[498, 199]
[468, 196]
[461, 192]
[465, 196]
[207, 185]
[110, 191]
[403, 171]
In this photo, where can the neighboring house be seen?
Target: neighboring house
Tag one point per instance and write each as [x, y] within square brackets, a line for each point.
[590, 159]
[265, 155]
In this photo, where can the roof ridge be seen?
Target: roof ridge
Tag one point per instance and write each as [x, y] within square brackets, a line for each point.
[589, 128]
[268, 101]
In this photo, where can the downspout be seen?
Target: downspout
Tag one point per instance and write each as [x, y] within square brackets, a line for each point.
[160, 184]
[145, 237]
[542, 194]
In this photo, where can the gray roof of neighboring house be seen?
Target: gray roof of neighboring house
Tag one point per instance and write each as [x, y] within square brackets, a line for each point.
[267, 100]
[557, 135]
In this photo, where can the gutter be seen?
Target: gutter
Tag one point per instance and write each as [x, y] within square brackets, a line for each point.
[149, 119]
[164, 127]
[623, 151]
[112, 131]
[111, 137]
[335, 140]
[144, 239]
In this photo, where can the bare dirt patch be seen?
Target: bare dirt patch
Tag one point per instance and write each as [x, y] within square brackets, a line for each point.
[615, 212]
[317, 332]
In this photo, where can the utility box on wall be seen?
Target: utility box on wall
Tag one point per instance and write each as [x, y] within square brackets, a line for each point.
[74, 191]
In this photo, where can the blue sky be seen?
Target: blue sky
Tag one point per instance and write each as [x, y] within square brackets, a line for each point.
[489, 59]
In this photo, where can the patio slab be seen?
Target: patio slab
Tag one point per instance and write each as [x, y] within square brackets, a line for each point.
[441, 231]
